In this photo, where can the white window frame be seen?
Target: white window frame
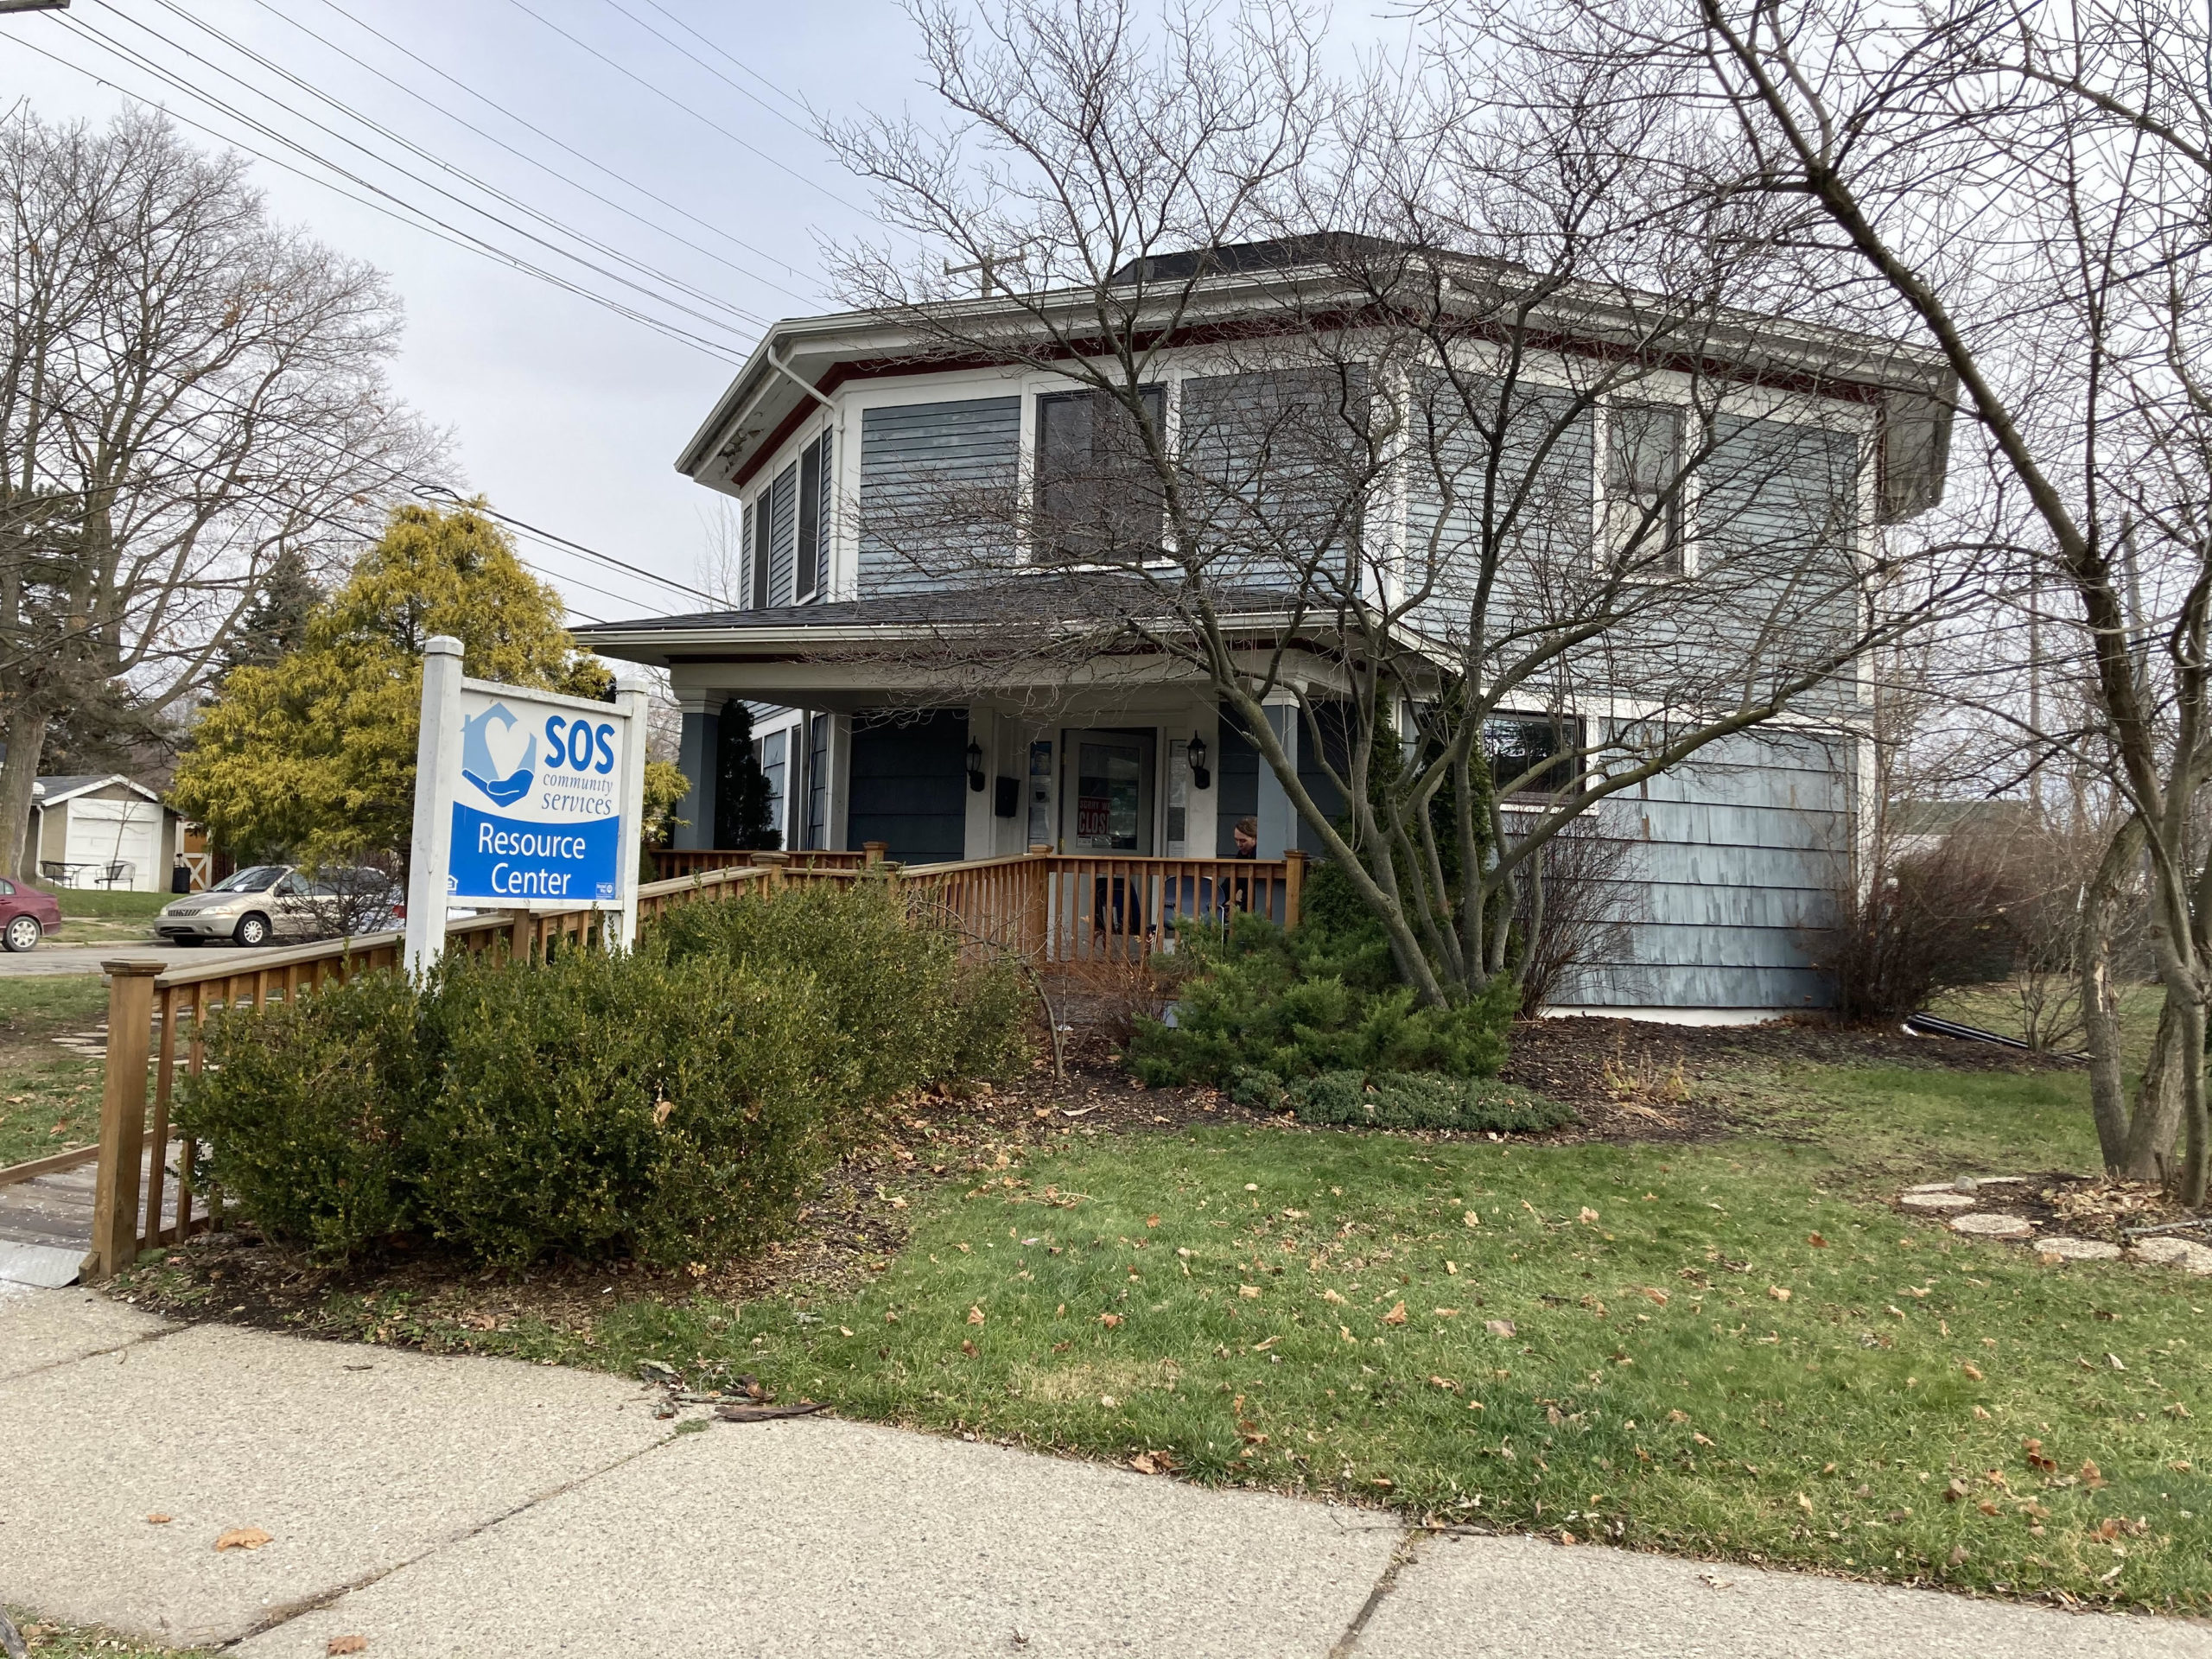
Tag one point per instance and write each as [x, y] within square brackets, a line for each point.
[1610, 542]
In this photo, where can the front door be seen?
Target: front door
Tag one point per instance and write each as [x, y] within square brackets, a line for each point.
[1106, 804]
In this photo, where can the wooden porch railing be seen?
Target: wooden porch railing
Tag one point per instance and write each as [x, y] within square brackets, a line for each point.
[1052, 910]
[671, 863]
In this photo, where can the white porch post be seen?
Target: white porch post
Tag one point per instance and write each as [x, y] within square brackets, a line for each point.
[981, 830]
[1278, 819]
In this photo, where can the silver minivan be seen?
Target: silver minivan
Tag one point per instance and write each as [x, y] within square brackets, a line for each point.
[281, 902]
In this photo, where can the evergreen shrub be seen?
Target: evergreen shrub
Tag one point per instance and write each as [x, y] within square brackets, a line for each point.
[1323, 997]
[671, 1103]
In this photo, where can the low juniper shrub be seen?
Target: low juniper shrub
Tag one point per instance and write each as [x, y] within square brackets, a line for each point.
[1323, 997]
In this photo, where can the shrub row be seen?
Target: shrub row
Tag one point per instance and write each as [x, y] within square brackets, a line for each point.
[673, 1103]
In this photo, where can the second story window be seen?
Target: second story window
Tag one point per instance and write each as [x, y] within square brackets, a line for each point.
[813, 518]
[1532, 753]
[1097, 498]
[1643, 489]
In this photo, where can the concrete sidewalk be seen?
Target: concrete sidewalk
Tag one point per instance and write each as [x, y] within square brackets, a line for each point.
[484, 1508]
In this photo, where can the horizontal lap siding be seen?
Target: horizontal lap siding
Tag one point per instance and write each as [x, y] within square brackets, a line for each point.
[1734, 863]
[935, 490]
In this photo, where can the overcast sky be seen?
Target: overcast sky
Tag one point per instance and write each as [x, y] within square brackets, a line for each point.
[567, 414]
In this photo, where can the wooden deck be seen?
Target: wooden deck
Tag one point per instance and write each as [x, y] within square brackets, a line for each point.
[48, 1215]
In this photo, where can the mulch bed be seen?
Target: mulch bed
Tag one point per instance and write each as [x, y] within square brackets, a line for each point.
[1627, 1080]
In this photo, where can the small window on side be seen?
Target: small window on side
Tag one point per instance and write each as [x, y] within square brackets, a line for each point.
[1644, 488]
[1518, 745]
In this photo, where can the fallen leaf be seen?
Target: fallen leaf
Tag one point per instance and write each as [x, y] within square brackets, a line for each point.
[1699, 1439]
[2033, 1448]
[970, 1349]
[1652, 1294]
[890, 1318]
[1958, 1554]
[1445, 1312]
[346, 1644]
[1109, 1320]
[1331, 1296]
[1971, 1371]
[1250, 1293]
[1955, 1490]
[2115, 1362]
[1678, 1416]
[1262, 1347]
[1472, 1219]
[975, 1316]
[1396, 1315]
[1587, 1215]
[1107, 1401]
[1816, 1240]
[1152, 1221]
[2092, 1475]
[243, 1538]
[843, 1332]
[1498, 1327]
[1804, 1503]
[661, 1109]
[1143, 1464]
[1442, 1383]
[157, 1519]
[1777, 1292]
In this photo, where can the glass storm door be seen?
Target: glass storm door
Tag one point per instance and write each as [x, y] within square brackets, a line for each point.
[1107, 808]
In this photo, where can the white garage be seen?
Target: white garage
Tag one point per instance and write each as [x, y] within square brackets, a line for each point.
[94, 831]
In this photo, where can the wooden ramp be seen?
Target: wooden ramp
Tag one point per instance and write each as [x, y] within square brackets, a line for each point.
[46, 1218]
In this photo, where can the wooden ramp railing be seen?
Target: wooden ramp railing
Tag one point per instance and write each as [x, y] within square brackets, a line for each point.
[1051, 910]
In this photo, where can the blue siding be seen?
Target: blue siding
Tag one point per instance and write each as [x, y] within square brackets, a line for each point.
[782, 531]
[935, 490]
[1735, 858]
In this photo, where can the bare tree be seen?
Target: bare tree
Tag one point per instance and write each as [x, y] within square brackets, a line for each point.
[2025, 188]
[1371, 500]
[189, 394]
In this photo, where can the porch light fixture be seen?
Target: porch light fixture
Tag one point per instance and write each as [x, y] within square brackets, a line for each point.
[1200, 777]
[975, 766]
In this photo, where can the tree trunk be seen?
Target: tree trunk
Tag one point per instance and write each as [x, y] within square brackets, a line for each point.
[2146, 1153]
[26, 744]
[2099, 999]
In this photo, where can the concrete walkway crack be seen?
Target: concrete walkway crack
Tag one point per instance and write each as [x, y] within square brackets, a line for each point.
[322, 1598]
[1401, 1557]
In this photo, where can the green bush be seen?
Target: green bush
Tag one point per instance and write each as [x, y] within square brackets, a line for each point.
[903, 1008]
[306, 1110]
[671, 1103]
[1410, 1100]
[597, 1102]
[1316, 998]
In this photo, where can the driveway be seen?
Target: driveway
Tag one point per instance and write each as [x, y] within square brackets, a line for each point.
[58, 956]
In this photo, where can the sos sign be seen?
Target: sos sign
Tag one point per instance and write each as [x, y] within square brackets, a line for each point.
[534, 800]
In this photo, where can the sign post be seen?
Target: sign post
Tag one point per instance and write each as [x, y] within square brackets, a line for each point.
[523, 800]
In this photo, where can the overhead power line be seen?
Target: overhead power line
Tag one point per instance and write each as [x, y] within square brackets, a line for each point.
[387, 203]
[668, 97]
[623, 180]
[460, 201]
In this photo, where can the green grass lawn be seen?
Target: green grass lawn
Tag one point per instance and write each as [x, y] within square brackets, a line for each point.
[95, 915]
[1729, 1348]
[49, 1099]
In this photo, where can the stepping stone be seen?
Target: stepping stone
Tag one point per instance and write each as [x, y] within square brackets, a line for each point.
[2174, 1252]
[1935, 1186]
[1988, 1224]
[1939, 1202]
[2061, 1249]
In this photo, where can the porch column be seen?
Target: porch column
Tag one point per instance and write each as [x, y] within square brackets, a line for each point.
[1278, 818]
[700, 755]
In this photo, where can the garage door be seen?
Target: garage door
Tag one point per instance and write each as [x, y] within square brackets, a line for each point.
[102, 833]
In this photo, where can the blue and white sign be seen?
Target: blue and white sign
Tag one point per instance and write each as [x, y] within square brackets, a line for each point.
[525, 800]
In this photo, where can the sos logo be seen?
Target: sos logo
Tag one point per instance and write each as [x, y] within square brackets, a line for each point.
[578, 745]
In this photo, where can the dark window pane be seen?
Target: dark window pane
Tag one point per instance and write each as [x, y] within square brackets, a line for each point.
[756, 562]
[809, 520]
[1517, 744]
[1097, 491]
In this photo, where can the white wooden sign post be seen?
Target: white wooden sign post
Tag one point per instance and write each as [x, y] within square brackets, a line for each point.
[523, 800]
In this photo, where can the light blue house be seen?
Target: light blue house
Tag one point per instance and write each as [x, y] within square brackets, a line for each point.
[871, 729]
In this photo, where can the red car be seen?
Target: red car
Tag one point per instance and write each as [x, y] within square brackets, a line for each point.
[26, 915]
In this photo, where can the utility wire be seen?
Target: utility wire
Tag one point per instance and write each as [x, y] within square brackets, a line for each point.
[550, 171]
[390, 206]
[460, 201]
[493, 103]
[668, 97]
[407, 144]
[736, 63]
[678, 47]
